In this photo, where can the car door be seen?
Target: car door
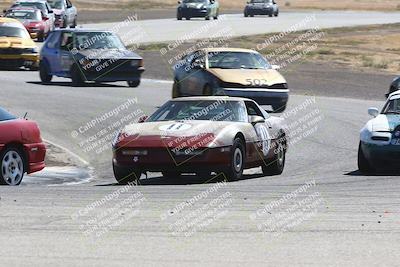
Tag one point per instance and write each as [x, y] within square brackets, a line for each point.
[50, 52]
[262, 130]
[65, 57]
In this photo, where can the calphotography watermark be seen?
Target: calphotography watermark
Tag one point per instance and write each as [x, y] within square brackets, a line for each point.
[198, 212]
[290, 210]
[110, 212]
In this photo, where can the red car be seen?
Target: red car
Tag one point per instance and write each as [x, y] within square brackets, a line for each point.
[21, 148]
[35, 23]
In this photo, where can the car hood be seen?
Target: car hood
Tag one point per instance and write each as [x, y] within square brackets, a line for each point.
[15, 42]
[58, 11]
[242, 76]
[385, 123]
[109, 54]
[194, 5]
[174, 134]
[26, 22]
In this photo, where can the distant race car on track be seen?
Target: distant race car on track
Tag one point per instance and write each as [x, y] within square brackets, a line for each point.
[261, 7]
[230, 72]
[21, 148]
[65, 13]
[201, 135]
[43, 5]
[198, 9]
[36, 24]
[394, 86]
[17, 49]
[380, 138]
[89, 55]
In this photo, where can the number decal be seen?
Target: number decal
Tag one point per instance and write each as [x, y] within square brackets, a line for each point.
[265, 138]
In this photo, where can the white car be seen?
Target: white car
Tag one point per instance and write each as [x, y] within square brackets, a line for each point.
[379, 147]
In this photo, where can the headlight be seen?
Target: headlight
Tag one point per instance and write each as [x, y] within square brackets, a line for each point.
[137, 63]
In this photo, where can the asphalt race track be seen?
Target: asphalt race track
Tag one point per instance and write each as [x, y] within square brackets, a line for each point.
[146, 31]
[352, 220]
[357, 212]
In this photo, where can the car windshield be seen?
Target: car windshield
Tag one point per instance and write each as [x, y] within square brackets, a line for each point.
[5, 116]
[24, 14]
[393, 106]
[237, 60]
[220, 110]
[13, 32]
[194, 1]
[98, 40]
[56, 4]
[37, 5]
[260, 1]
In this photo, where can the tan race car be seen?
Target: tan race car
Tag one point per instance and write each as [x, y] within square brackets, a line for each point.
[201, 135]
[17, 49]
[231, 72]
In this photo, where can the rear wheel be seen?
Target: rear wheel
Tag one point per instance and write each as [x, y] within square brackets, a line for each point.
[276, 14]
[179, 16]
[235, 171]
[187, 18]
[45, 77]
[270, 14]
[12, 167]
[133, 83]
[74, 24]
[364, 165]
[126, 175]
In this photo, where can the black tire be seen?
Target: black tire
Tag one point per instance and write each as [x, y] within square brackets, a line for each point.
[179, 16]
[133, 83]
[126, 175]
[16, 167]
[238, 153]
[171, 174]
[270, 15]
[276, 14]
[251, 15]
[187, 18]
[207, 90]
[279, 108]
[76, 77]
[207, 18]
[364, 166]
[176, 90]
[74, 24]
[246, 15]
[276, 165]
[45, 77]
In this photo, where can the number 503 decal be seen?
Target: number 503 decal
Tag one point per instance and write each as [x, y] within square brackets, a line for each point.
[265, 138]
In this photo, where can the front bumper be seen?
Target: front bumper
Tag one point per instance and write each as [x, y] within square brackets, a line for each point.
[19, 60]
[36, 154]
[260, 11]
[261, 96]
[382, 156]
[163, 159]
[194, 12]
[114, 75]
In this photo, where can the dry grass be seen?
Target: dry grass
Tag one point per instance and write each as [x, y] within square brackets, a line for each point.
[392, 5]
[369, 48]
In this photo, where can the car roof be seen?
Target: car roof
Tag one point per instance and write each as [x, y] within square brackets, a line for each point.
[24, 8]
[394, 93]
[30, 1]
[80, 30]
[228, 49]
[211, 98]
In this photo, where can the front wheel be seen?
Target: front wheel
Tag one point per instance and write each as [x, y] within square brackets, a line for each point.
[179, 16]
[133, 83]
[12, 166]
[74, 24]
[235, 171]
[363, 164]
[76, 77]
[126, 175]
[277, 164]
[45, 77]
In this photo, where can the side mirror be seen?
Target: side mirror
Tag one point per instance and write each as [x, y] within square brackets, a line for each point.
[374, 112]
[143, 119]
[256, 119]
[275, 67]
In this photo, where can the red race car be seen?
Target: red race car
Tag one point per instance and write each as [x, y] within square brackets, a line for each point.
[35, 23]
[21, 148]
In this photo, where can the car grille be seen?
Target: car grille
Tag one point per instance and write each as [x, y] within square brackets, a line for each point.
[11, 51]
[238, 85]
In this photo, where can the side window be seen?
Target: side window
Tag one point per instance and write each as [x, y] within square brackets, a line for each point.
[52, 40]
[253, 110]
[66, 41]
[69, 4]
